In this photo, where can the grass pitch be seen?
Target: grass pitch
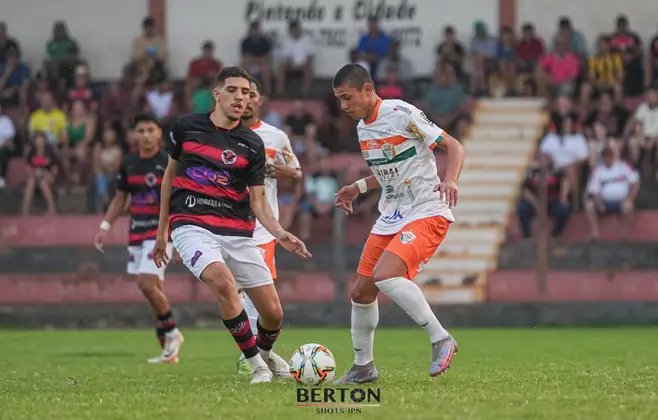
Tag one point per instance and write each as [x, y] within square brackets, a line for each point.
[498, 374]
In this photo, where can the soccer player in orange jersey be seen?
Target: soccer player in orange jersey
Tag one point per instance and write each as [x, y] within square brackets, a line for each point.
[397, 140]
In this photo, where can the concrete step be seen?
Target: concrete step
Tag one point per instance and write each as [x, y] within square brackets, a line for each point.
[512, 147]
[461, 295]
[458, 264]
[474, 190]
[491, 177]
[530, 104]
[461, 249]
[482, 219]
[526, 119]
[494, 161]
[462, 234]
[481, 132]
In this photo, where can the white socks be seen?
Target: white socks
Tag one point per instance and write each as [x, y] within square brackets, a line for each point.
[410, 298]
[252, 313]
[364, 321]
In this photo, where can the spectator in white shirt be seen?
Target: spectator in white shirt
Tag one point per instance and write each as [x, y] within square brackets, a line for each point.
[7, 133]
[297, 53]
[612, 189]
[161, 101]
[647, 117]
[568, 150]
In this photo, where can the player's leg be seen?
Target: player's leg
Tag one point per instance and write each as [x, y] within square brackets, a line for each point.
[203, 254]
[412, 247]
[253, 275]
[365, 314]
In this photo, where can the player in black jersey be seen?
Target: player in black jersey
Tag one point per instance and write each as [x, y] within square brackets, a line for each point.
[213, 187]
[139, 180]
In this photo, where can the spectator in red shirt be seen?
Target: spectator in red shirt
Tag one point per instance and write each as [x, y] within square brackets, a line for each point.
[82, 91]
[204, 66]
[559, 70]
[391, 88]
[529, 50]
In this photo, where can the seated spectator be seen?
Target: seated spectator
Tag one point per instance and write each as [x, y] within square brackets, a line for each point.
[107, 158]
[606, 73]
[651, 69]
[40, 85]
[205, 66]
[374, 45]
[483, 55]
[49, 120]
[297, 52]
[6, 43]
[149, 53]
[202, 100]
[563, 108]
[356, 57]
[68, 68]
[558, 189]
[506, 56]
[80, 133]
[628, 45]
[647, 115]
[42, 165]
[445, 99]
[300, 127]
[575, 40]
[598, 142]
[613, 188]
[81, 90]
[7, 133]
[613, 117]
[529, 88]
[58, 48]
[256, 49]
[451, 51]
[568, 151]
[14, 80]
[391, 87]
[270, 116]
[161, 100]
[529, 50]
[118, 103]
[558, 70]
[393, 60]
[319, 189]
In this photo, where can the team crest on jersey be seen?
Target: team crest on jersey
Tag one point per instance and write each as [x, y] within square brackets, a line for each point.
[407, 237]
[287, 155]
[150, 179]
[388, 150]
[413, 129]
[229, 157]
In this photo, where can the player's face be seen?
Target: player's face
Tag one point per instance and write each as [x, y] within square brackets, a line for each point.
[233, 97]
[254, 103]
[148, 135]
[355, 102]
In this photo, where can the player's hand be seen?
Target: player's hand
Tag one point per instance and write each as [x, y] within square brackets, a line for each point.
[449, 192]
[344, 197]
[99, 240]
[160, 256]
[279, 171]
[293, 244]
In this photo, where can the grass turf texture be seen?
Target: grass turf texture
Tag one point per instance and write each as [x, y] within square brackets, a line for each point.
[498, 374]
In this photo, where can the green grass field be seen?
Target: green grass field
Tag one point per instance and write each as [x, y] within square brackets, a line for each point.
[498, 374]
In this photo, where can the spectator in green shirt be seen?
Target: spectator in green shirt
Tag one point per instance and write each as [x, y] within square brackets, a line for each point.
[202, 99]
[60, 44]
[445, 99]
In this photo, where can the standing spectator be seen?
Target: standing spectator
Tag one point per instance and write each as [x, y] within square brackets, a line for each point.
[7, 133]
[42, 166]
[445, 98]
[529, 50]
[149, 44]
[49, 120]
[14, 80]
[374, 44]
[6, 43]
[205, 66]
[506, 55]
[559, 70]
[298, 52]
[613, 117]
[613, 188]
[202, 100]
[629, 45]
[300, 127]
[107, 158]
[651, 70]
[118, 103]
[161, 100]
[483, 54]
[451, 51]
[558, 189]
[256, 49]
[319, 189]
[58, 46]
[81, 90]
[393, 60]
[647, 115]
[606, 73]
[391, 87]
[575, 41]
[80, 132]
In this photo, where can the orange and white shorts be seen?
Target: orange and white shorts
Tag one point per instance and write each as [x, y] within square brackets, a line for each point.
[415, 244]
[267, 251]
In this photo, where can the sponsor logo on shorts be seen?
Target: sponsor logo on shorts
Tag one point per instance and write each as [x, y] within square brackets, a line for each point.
[407, 237]
[196, 257]
[206, 176]
[229, 157]
[191, 201]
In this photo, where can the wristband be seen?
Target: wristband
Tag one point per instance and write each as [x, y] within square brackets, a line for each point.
[363, 186]
[105, 225]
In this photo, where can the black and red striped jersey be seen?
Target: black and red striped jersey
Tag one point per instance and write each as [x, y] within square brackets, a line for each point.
[215, 167]
[141, 178]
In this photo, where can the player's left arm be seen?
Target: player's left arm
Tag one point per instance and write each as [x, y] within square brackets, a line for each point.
[290, 168]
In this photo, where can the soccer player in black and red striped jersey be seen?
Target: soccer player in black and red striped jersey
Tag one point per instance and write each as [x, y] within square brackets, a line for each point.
[211, 191]
[138, 181]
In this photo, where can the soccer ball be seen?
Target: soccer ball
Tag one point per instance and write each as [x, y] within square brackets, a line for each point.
[312, 364]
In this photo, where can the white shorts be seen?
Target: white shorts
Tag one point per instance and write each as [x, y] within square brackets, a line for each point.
[199, 248]
[141, 259]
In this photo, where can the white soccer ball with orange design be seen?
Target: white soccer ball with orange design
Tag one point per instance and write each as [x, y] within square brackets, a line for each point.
[313, 364]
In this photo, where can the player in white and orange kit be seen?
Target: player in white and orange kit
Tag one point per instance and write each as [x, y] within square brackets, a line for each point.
[397, 140]
[281, 164]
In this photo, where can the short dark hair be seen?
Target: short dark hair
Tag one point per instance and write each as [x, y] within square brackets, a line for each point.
[231, 71]
[293, 24]
[145, 117]
[259, 86]
[564, 23]
[148, 22]
[528, 27]
[354, 75]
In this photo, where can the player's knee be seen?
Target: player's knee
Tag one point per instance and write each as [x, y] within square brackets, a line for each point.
[364, 291]
[273, 313]
[147, 283]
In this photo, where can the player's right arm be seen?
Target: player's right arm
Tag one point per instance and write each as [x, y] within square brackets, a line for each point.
[115, 208]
